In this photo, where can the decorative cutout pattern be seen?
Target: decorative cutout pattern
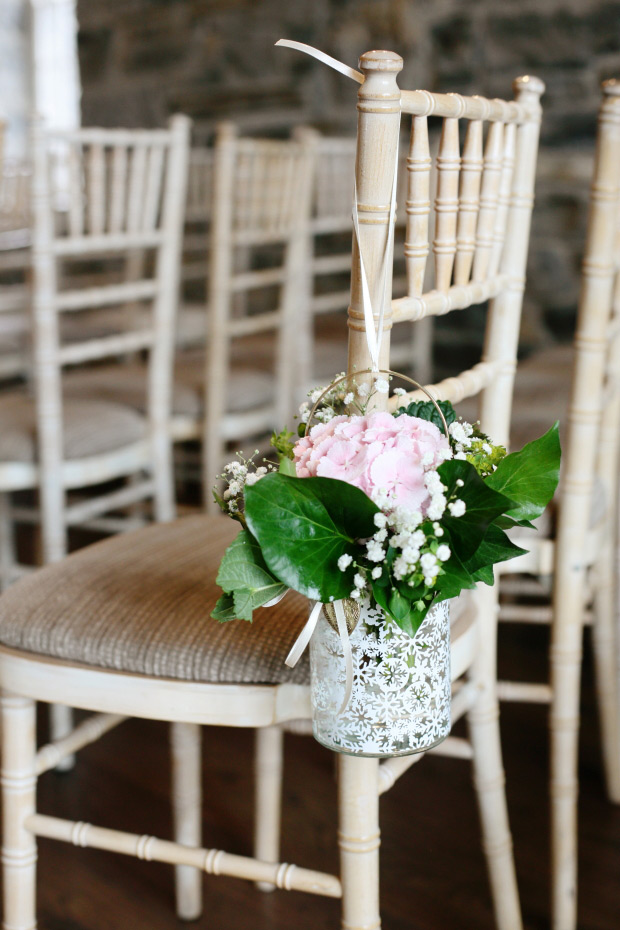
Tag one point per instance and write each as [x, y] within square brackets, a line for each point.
[400, 702]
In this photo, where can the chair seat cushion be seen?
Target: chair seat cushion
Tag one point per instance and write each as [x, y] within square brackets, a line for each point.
[246, 387]
[127, 384]
[140, 603]
[91, 427]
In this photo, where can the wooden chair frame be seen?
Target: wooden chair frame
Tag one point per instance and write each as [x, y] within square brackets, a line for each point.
[241, 219]
[27, 677]
[581, 560]
[95, 229]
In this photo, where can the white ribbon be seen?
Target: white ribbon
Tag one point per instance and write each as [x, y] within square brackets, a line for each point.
[276, 600]
[305, 636]
[374, 336]
[326, 59]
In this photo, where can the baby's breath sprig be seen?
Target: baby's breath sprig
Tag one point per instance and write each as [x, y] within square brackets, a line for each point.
[238, 474]
[347, 398]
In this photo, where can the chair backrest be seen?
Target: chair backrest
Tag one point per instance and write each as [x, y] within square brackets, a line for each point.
[15, 236]
[591, 451]
[262, 192]
[482, 212]
[101, 195]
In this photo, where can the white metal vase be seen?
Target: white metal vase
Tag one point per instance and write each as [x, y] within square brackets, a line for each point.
[400, 698]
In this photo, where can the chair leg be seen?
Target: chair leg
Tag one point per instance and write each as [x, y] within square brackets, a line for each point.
[606, 661]
[19, 848]
[268, 796]
[489, 781]
[564, 724]
[7, 543]
[61, 724]
[186, 746]
[359, 839]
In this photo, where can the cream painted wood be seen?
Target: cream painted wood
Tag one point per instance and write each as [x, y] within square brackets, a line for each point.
[268, 781]
[187, 812]
[334, 166]
[581, 560]
[492, 377]
[581, 444]
[262, 192]
[446, 203]
[154, 198]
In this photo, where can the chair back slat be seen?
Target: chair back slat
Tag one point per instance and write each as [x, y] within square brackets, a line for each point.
[418, 206]
[118, 189]
[96, 173]
[446, 203]
[469, 202]
[489, 197]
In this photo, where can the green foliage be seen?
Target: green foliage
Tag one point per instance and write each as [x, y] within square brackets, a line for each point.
[245, 579]
[484, 462]
[529, 477]
[283, 443]
[482, 503]
[426, 410]
[304, 525]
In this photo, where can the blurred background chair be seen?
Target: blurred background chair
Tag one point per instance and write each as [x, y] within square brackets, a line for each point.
[246, 383]
[569, 579]
[125, 191]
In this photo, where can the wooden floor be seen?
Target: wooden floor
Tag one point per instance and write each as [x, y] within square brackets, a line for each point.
[432, 869]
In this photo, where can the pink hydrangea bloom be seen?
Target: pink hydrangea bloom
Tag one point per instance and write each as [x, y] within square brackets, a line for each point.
[377, 452]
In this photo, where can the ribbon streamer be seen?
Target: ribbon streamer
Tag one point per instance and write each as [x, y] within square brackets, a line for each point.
[306, 635]
[326, 59]
[374, 337]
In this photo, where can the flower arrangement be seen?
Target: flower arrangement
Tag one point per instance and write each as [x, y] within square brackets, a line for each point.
[401, 510]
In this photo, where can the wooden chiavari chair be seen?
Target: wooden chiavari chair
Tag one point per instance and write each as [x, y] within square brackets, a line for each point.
[161, 660]
[569, 578]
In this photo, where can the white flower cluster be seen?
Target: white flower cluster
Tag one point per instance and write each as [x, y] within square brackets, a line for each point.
[461, 433]
[239, 474]
[420, 552]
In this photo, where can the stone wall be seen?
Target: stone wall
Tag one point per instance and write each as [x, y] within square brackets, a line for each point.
[143, 59]
[14, 76]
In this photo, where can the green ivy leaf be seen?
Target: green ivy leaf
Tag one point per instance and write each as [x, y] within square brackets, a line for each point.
[243, 573]
[529, 477]
[482, 503]
[224, 609]
[495, 547]
[287, 467]
[407, 614]
[304, 525]
[455, 578]
[426, 410]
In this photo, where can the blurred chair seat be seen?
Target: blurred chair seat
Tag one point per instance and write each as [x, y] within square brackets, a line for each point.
[90, 427]
[126, 386]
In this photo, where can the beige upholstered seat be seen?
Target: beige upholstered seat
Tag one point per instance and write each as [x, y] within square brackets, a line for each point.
[127, 385]
[91, 427]
[140, 603]
[245, 388]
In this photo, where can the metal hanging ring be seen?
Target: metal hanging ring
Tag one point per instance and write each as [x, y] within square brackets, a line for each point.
[382, 371]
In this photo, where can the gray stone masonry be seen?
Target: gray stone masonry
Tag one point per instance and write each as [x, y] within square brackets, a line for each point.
[143, 59]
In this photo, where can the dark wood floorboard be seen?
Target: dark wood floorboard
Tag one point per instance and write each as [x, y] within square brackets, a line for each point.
[432, 869]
